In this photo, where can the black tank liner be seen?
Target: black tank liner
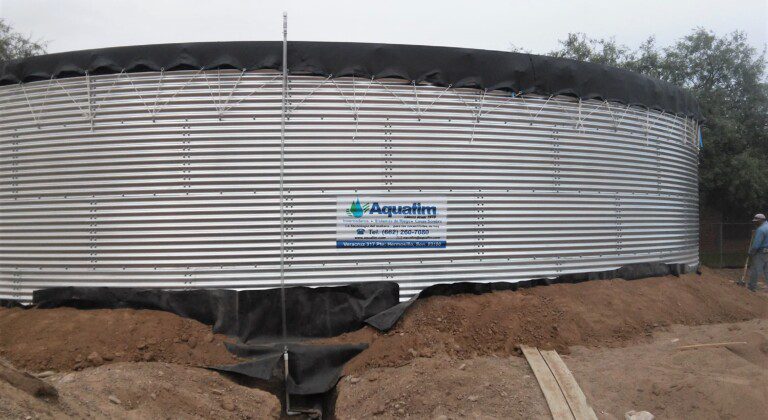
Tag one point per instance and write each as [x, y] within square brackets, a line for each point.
[441, 66]
[254, 317]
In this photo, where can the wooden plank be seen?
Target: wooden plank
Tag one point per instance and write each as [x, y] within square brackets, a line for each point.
[702, 346]
[573, 393]
[558, 405]
[26, 382]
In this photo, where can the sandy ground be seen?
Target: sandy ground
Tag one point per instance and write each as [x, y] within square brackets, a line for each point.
[141, 391]
[71, 339]
[449, 357]
[604, 313]
[712, 383]
[734, 275]
[482, 387]
[729, 382]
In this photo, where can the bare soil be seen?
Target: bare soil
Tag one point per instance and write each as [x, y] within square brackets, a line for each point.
[449, 357]
[141, 391]
[729, 382]
[605, 313]
[65, 339]
[480, 387]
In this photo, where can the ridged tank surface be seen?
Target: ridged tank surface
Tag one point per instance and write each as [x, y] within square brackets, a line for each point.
[171, 180]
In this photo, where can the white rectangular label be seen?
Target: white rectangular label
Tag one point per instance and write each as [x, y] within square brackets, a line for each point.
[391, 222]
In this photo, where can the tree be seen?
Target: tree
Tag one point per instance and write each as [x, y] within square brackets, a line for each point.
[14, 45]
[728, 77]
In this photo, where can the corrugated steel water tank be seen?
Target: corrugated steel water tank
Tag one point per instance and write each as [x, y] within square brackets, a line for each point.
[169, 177]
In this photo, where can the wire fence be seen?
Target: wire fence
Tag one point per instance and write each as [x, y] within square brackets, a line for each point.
[724, 245]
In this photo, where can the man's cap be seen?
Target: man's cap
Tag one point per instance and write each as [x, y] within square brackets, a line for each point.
[759, 217]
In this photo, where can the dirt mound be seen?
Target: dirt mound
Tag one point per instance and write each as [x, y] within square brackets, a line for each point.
[484, 387]
[706, 383]
[593, 313]
[66, 338]
[655, 376]
[142, 391]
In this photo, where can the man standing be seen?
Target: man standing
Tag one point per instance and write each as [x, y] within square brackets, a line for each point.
[758, 252]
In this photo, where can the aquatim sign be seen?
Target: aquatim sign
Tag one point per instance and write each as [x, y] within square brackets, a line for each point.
[391, 222]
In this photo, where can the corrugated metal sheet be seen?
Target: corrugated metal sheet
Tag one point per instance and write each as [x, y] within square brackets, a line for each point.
[171, 180]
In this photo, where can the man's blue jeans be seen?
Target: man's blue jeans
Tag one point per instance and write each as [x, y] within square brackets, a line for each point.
[759, 267]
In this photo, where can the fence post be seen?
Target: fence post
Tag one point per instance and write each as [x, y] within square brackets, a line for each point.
[720, 239]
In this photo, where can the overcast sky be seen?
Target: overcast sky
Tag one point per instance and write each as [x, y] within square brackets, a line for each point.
[534, 25]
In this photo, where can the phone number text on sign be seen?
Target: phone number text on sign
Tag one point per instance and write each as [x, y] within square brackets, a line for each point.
[391, 222]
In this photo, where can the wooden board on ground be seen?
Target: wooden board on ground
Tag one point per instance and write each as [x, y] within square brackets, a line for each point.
[706, 345]
[558, 405]
[575, 397]
[26, 382]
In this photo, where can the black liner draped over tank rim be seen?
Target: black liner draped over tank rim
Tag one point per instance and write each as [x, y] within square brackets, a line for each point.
[440, 66]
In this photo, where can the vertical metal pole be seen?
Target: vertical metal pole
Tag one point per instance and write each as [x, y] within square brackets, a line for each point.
[282, 213]
[282, 169]
[721, 245]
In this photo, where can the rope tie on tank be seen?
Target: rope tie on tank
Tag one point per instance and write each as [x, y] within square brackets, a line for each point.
[109, 90]
[416, 96]
[357, 105]
[393, 94]
[477, 115]
[320, 85]
[471, 107]
[232, 92]
[29, 103]
[579, 125]
[568, 113]
[624, 115]
[610, 113]
[542, 107]
[88, 93]
[436, 99]
[83, 112]
[157, 94]
[184, 86]
[647, 125]
[252, 92]
[528, 107]
[210, 91]
[135, 89]
[350, 105]
[500, 105]
[581, 120]
[341, 92]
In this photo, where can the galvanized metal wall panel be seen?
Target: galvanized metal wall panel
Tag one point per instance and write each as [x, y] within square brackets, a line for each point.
[171, 180]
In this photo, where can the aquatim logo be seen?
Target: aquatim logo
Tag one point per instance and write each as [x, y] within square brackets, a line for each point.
[357, 209]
